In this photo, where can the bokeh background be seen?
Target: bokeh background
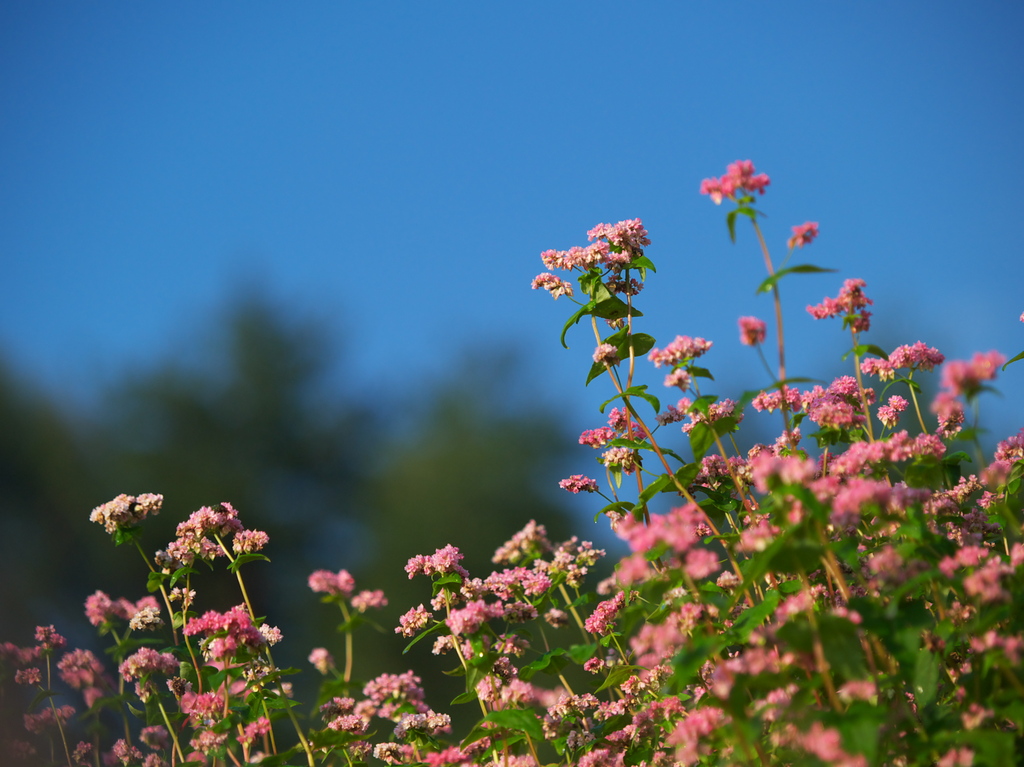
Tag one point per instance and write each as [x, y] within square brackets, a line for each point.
[280, 254]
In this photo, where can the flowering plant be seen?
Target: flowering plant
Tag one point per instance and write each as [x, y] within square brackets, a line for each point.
[849, 596]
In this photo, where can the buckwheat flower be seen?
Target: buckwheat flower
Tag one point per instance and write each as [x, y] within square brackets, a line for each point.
[598, 437]
[961, 377]
[369, 600]
[208, 741]
[321, 659]
[600, 621]
[552, 285]
[578, 483]
[876, 366]
[957, 757]
[82, 755]
[45, 719]
[752, 331]
[803, 235]
[889, 414]
[557, 618]
[254, 730]
[156, 737]
[48, 639]
[622, 457]
[413, 621]
[271, 634]
[146, 619]
[248, 541]
[334, 584]
[470, 618]
[917, 356]
[126, 511]
[700, 563]
[529, 543]
[146, 661]
[126, 753]
[606, 354]
[625, 234]
[739, 177]
[679, 377]
[390, 753]
[850, 303]
[27, 676]
[683, 348]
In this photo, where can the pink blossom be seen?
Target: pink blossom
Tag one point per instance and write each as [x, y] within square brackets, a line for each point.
[606, 354]
[335, 584]
[598, 437]
[629, 234]
[752, 331]
[414, 620]
[470, 618]
[126, 511]
[321, 659]
[442, 562]
[248, 541]
[254, 730]
[679, 377]
[700, 563]
[683, 348]
[962, 377]
[552, 284]
[803, 235]
[850, 303]
[600, 621]
[889, 414]
[772, 400]
[739, 178]
[578, 483]
[369, 600]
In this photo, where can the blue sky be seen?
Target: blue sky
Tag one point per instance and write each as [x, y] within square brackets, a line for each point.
[396, 169]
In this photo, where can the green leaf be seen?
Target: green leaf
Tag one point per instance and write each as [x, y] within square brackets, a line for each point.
[1015, 359]
[926, 677]
[650, 491]
[698, 372]
[241, 559]
[643, 262]
[770, 282]
[634, 391]
[555, 659]
[701, 438]
[579, 314]
[155, 580]
[618, 675]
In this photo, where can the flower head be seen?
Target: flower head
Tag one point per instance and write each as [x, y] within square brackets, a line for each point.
[752, 331]
[803, 234]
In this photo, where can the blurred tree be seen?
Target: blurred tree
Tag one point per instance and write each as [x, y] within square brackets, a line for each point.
[253, 414]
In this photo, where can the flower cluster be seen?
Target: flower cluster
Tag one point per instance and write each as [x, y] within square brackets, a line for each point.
[739, 179]
[853, 597]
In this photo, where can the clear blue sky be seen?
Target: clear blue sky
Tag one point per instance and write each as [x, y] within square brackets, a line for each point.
[398, 167]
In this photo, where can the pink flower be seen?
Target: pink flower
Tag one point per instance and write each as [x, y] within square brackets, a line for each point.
[682, 349]
[579, 483]
[321, 659]
[752, 331]
[739, 177]
[369, 600]
[849, 303]
[962, 377]
[628, 235]
[552, 285]
[803, 234]
[600, 621]
[889, 414]
[413, 621]
[606, 354]
[335, 584]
